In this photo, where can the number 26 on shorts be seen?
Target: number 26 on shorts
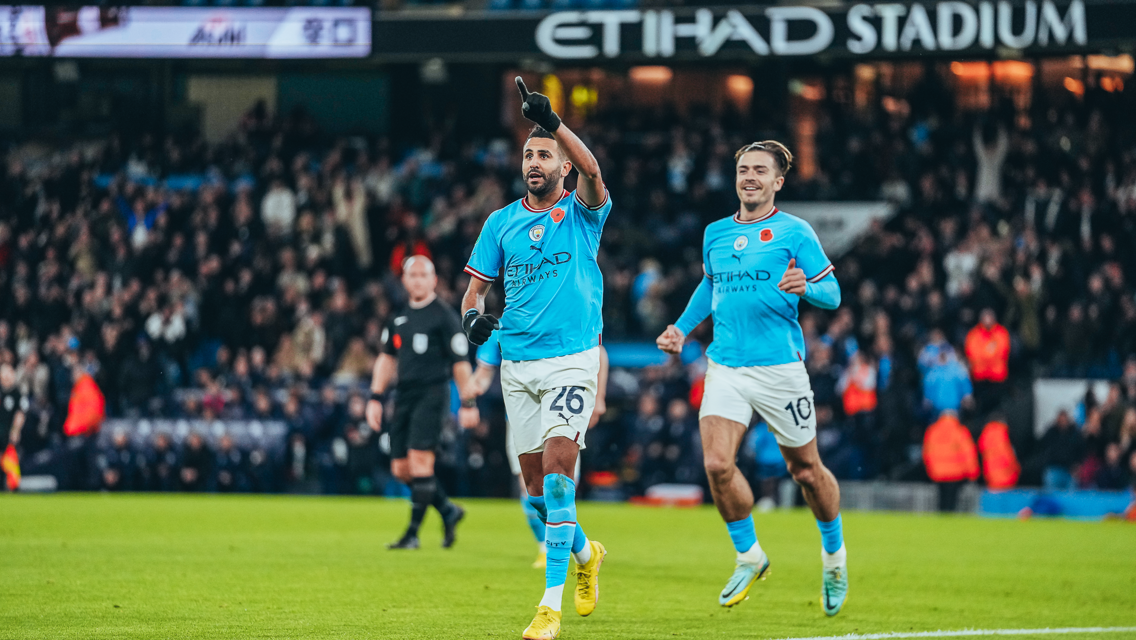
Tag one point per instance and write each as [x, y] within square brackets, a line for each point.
[573, 401]
[800, 409]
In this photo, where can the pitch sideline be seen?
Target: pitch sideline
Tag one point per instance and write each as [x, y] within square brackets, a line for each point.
[971, 632]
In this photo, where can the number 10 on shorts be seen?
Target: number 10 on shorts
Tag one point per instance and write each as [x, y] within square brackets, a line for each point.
[800, 409]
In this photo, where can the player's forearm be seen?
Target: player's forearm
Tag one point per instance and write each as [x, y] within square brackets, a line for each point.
[824, 294]
[482, 378]
[383, 372]
[699, 307]
[474, 297]
[590, 186]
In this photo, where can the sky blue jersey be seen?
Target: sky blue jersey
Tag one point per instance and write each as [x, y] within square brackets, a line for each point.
[755, 323]
[553, 285]
[490, 353]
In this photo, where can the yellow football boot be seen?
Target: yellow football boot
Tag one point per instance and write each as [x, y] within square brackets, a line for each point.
[545, 626]
[588, 580]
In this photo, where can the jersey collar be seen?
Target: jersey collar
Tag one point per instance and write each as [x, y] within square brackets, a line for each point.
[738, 216]
[525, 203]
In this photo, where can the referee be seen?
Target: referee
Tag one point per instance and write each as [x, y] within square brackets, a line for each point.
[13, 409]
[426, 344]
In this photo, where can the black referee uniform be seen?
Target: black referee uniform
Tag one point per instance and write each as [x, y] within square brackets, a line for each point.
[12, 402]
[427, 342]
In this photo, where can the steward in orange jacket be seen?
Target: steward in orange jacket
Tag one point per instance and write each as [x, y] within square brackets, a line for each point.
[948, 450]
[999, 464]
[87, 408]
[988, 350]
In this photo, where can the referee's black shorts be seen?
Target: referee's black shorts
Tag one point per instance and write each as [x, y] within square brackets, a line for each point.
[418, 413]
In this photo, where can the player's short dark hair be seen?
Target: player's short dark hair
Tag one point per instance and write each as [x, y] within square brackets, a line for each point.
[780, 153]
[539, 132]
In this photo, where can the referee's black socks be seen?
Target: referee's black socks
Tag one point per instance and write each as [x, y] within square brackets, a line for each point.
[442, 501]
[422, 495]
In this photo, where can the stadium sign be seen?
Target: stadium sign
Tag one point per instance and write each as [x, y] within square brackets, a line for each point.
[185, 32]
[749, 32]
[800, 30]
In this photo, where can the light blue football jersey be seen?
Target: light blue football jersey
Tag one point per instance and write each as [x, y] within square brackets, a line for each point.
[553, 285]
[490, 352]
[755, 323]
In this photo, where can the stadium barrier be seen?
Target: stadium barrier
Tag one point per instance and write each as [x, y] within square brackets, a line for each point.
[246, 434]
[912, 497]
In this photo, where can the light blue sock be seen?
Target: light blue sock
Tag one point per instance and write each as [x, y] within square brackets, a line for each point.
[579, 540]
[831, 535]
[537, 503]
[743, 534]
[536, 521]
[560, 527]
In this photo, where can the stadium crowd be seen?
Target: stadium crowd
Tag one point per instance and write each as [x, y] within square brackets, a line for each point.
[250, 280]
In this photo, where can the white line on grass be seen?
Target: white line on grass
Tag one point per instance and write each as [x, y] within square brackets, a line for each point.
[971, 632]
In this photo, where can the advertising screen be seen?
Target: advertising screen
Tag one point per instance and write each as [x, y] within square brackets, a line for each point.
[184, 32]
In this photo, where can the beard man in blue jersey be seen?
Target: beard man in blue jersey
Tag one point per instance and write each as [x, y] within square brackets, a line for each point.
[759, 264]
[545, 246]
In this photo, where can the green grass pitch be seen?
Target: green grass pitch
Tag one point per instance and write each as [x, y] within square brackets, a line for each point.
[148, 566]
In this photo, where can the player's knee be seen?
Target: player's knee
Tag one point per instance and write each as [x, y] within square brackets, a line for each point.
[805, 475]
[718, 468]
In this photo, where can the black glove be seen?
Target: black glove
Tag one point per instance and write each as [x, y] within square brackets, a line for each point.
[537, 108]
[478, 326]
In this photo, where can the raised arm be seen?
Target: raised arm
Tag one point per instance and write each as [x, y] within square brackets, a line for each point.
[538, 109]
[590, 186]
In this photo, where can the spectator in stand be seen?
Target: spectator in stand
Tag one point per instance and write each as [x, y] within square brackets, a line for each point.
[1113, 475]
[230, 466]
[1061, 451]
[196, 472]
[946, 385]
[278, 209]
[988, 351]
[161, 465]
[119, 465]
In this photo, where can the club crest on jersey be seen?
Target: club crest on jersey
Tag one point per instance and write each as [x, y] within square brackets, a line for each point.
[557, 214]
[766, 235]
[536, 233]
[741, 243]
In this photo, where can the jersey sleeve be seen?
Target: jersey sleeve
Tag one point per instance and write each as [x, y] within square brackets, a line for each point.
[388, 339]
[456, 345]
[596, 215]
[706, 254]
[485, 261]
[489, 354]
[810, 255]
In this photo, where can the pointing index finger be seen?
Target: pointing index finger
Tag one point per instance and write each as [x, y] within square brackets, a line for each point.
[522, 88]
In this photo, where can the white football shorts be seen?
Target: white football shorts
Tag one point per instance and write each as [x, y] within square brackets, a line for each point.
[780, 393]
[550, 397]
[515, 460]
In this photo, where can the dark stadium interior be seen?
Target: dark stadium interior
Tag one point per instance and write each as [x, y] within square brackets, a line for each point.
[248, 278]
